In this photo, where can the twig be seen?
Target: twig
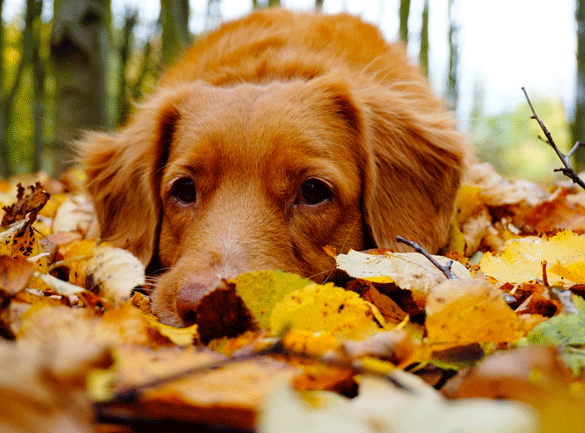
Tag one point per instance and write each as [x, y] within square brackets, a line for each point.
[544, 275]
[567, 170]
[444, 269]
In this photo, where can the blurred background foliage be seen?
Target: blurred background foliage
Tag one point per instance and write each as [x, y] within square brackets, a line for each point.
[41, 111]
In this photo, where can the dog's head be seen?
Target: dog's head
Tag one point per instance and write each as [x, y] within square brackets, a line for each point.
[211, 182]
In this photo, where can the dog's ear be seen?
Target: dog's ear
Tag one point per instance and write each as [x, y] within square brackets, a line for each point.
[415, 165]
[123, 174]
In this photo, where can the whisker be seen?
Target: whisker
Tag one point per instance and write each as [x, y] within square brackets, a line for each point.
[342, 249]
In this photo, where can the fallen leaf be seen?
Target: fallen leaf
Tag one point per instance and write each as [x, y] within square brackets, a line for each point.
[112, 273]
[32, 202]
[389, 309]
[461, 312]
[326, 308]
[396, 346]
[385, 408]
[76, 214]
[261, 291]
[521, 260]
[42, 387]
[14, 274]
[532, 375]
[409, 271]
[557, 213]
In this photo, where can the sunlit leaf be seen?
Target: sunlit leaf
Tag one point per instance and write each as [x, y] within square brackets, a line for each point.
[326, 308]
[461, 312]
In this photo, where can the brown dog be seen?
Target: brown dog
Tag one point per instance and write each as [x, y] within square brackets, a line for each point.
[274, 136]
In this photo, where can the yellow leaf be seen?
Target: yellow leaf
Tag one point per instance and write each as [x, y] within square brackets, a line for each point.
[310, 343]
[573, 272]
[521, 259]
[261, 291]
[326, 308]
[461, 312]
[468, 198]
[20, 241]
[179, 336]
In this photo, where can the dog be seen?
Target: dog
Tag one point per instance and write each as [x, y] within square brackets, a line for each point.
[274, 136]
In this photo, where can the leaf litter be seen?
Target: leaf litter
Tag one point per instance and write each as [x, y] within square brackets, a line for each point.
[295, 353]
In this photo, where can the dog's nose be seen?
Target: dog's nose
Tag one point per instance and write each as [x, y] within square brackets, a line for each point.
[188, 299]
[216, 308]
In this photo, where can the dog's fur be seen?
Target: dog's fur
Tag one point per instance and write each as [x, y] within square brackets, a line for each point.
[251, 113]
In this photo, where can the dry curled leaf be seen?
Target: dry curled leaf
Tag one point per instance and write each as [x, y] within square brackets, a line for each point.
[409, 271]
[29, 203]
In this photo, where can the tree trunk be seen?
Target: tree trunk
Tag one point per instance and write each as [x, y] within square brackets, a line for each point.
[403, 13]
[79, 52]
[123, 88]
[174, 16]
[578, 127]
[318, 5]
[424, 40]
[38, 76]
[4, 151]
[273, 3]
[452, 92]
[33, 11]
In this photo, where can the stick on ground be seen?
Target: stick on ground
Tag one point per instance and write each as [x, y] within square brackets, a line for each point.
[444, 269]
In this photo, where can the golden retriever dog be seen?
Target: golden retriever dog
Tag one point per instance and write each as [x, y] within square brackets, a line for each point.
[273, 137]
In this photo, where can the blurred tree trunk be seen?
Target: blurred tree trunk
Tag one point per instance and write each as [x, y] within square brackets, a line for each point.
[424, 40]
[38, 77]
[273, 3]
[403, 13]
[79, 53]
[31, 16]
[452, 91]
[578, 127]
[174, 17]
[318, 5]
[123, 87]
[4, 152]
[255, 4]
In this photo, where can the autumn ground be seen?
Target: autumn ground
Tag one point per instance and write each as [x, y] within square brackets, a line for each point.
[402, 348]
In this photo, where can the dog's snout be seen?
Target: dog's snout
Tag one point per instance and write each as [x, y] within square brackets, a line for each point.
[188, 299]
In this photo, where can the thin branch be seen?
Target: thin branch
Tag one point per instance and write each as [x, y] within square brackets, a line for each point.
[444, 269]
[567, 170]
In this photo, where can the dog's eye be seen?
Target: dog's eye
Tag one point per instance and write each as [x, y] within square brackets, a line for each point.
[315, 191]
[184, 190]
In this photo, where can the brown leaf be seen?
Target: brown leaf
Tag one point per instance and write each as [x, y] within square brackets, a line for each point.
[389, 309]
[229, 395]
[221, 312]
[32, 202]
[557, 213]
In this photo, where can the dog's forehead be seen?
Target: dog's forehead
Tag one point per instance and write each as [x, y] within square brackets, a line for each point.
[252, 123]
